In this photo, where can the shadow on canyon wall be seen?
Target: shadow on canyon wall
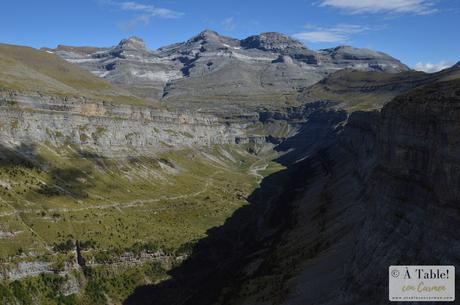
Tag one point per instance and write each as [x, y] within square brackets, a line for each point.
[216, 263]
[392, 193]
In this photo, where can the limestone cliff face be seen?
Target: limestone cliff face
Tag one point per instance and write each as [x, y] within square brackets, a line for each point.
[390, 197]
[420, 139]
[112, 128]
[413, 208]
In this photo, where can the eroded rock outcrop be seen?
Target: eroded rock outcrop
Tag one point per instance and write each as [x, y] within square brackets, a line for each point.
[112, 129]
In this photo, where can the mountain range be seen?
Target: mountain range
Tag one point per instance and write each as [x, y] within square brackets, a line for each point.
[222, 171]
[209, 65]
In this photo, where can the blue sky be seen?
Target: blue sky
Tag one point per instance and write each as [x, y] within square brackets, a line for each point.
[421, 33]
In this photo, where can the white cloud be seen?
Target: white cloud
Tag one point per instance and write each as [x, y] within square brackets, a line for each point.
[339, 33]
[135, 22]
[433, 67]
[145, 12]
[320, 36]
[421, 7]
[229, 23]
[150, 10]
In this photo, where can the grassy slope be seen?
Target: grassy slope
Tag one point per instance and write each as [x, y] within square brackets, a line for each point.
[251, 101]
[29, 69]
[50, 197]
[360, 90]
[170, 199]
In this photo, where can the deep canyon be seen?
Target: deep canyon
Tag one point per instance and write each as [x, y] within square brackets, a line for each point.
[222, 171]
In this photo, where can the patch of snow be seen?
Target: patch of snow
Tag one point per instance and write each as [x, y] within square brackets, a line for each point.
[251, 58]
[157, 75]
[82, 60]
[100, 73]
[230, 47]
[237, 55]
[360, 66]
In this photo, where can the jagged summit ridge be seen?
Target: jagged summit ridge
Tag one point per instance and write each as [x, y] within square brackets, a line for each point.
[210, 37]
[206, 35]
[210, 64]
[133, 47]
[271, 41]
[133, 42]
[349, 52]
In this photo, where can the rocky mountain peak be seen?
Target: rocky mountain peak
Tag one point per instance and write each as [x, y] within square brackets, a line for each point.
[352, 53]
[207, 35]
[132, 45]
[271, 41]
[132, 42]
[211, 38]
[342, 48]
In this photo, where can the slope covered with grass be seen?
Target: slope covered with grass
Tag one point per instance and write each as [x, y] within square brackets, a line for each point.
[363, 90]
[133, 218]
[31, 70]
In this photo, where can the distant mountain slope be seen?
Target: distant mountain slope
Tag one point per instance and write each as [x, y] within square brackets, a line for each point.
[27, 69]
[367, 90]
[213, 66]
[23, 62]
[78, 50]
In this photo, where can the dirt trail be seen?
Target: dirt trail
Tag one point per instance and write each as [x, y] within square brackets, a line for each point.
[119, 205]
[254, 170]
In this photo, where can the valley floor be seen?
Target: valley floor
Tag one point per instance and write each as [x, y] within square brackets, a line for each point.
[73, 218]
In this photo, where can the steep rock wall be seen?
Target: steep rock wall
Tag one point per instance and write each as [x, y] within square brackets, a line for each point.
[381, 190]
[414, 191]
[113, 129]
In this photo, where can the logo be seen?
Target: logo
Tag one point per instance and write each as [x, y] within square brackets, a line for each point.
[395, 273]
[421, 283]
